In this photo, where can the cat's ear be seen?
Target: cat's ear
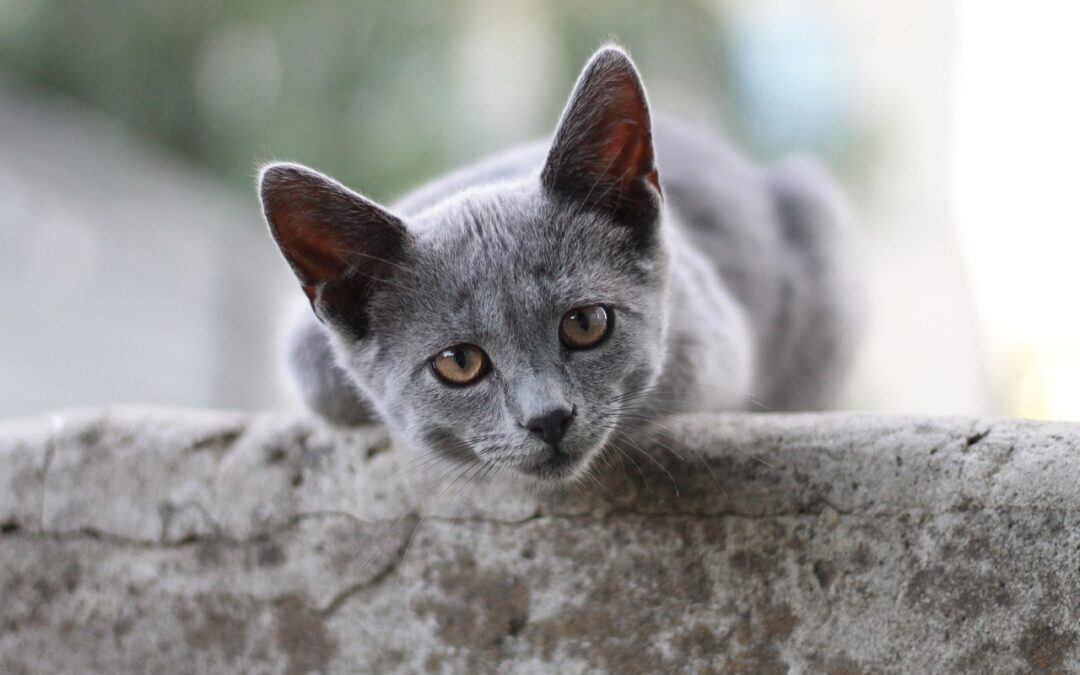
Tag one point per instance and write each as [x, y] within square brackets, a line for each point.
[338, 243]
[602, 153]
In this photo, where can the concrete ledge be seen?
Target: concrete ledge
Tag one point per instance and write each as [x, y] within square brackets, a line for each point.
[146, 540]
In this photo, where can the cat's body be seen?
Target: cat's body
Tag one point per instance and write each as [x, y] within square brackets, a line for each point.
[777, 238]
[736, 287]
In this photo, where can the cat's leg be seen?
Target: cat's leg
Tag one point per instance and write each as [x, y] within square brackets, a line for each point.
[822, 297]
[322, 385]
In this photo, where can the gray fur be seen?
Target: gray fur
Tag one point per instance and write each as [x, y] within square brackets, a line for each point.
[737, 293]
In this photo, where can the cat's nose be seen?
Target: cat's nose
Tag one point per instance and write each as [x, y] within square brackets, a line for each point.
[552, 425]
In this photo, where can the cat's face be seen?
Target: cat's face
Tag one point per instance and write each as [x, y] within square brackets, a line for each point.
[507, 325]
[508, 312]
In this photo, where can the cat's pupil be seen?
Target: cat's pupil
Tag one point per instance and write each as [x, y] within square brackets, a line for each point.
[460, 358]
[582, 320]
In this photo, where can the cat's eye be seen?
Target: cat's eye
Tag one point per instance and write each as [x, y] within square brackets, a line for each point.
[585, 327]
[461, 364]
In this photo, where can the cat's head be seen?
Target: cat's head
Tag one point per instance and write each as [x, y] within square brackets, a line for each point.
[509, 324]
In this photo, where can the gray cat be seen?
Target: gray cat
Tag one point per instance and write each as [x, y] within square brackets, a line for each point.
[526, 311]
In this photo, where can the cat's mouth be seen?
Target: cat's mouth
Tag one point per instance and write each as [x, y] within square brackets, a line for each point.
[551, 465]
[565, 463]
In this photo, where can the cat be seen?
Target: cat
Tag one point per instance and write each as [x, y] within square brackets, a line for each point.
[527, 311]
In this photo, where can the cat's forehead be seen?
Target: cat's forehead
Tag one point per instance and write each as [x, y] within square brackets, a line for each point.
[494, 266]
[515, 241]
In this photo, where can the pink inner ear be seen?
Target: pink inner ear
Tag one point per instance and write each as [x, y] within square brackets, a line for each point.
[625, 153]
[314, 253]
[325, 231]
[653, 178]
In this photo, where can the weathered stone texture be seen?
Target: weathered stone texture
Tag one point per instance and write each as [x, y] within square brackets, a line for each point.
[145, 540]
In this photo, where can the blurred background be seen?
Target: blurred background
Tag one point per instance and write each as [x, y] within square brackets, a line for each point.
[134, 265]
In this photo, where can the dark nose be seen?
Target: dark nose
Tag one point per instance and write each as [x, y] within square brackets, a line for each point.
[551, 425]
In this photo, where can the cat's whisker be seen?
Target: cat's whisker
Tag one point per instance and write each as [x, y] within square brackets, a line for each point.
[490, 472]
[655, 440]
[655, 461]
[651, 421]
[353, 253]
[434, 457]
[762, 460]
[590, 475]
[677, 400]
[632, 461]
[435, 462]
[418, 462]
[480, 466]
[490, 469]
[492, 465]
[575, 483]
[659, 393]
[649, 431]
[381, 546]
[408, 547]
[634, 393]
[382, 280]
[702, 458]
[457, 470]
[442, 453]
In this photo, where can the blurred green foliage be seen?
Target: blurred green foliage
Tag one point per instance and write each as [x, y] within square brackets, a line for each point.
[377, 93]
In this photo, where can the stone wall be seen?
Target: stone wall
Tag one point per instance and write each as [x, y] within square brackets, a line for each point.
[148, 540]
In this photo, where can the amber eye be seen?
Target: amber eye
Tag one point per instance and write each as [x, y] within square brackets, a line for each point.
[585, 327]
[460, 364]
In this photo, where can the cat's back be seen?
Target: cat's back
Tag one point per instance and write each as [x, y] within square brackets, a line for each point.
[780, 236]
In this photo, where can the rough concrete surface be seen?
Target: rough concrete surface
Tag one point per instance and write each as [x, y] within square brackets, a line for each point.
[147, 540]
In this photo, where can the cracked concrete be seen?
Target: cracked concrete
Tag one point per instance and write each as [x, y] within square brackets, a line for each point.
[142, 539]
